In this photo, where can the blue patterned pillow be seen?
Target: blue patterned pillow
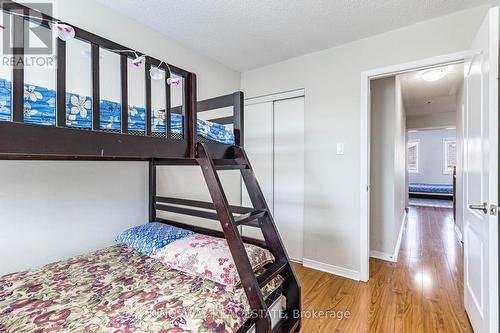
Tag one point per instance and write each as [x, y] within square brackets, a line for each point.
[150, 237]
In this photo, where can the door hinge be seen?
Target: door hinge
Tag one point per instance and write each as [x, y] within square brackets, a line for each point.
[493, 210]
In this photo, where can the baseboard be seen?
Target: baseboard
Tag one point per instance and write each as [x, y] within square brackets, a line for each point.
[335, 270]
[459, 233]
[392, 257]
[383, 256]
[400, 236]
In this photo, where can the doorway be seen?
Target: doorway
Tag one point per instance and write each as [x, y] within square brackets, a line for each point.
[412, 164]
[480, 174]
[414, 150]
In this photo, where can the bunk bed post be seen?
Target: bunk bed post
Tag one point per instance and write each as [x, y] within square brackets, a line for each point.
[18, 69]
[152, 190]
[124, 89]
[191, 114]
[168, 106]
[61, 83]
[239, 104]
[148, 97]
[96, 114]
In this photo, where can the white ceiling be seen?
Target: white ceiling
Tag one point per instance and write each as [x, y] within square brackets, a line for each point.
[246, 34]
[421, 97]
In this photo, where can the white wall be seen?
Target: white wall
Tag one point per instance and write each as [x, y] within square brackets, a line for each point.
[400, 175]
[53, 210]
[331, 79]
[432, 120]
[431, 156]
[387, 166]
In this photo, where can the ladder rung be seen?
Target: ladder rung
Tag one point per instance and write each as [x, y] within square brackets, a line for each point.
[272, 271]
[200, 204]
[229, 164]
[250, 219]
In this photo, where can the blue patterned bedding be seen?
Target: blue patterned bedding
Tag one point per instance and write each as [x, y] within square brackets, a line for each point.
[40, 108]
[431, 188]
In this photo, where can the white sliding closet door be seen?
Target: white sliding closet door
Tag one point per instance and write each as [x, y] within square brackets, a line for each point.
[259, 148]
[274, 142]
[289, 173]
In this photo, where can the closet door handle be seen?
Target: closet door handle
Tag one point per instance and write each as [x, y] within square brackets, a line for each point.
[483, 207]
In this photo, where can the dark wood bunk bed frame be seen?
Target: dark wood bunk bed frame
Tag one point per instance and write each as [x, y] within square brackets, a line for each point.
[22, 141]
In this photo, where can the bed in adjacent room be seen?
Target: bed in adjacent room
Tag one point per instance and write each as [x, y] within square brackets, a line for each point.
[444, 190]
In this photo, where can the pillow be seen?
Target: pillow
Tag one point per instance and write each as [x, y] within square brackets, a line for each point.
[150, 237]
[210, 258]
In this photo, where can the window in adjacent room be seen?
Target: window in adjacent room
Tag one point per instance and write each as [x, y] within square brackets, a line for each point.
[413, 156]
[450, 155]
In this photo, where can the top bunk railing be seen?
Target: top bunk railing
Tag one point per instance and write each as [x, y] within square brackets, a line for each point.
[234, 101]
[100, 143]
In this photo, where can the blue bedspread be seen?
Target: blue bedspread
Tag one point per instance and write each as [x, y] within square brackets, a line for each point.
[431, 188]
[40, 108]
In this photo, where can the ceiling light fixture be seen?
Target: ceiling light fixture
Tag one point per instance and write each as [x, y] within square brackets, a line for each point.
[434, 74]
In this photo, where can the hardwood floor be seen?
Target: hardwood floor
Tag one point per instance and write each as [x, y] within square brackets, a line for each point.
[422, 292]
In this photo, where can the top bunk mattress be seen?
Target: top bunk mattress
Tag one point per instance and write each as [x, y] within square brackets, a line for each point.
[118, 289]
[39, 108]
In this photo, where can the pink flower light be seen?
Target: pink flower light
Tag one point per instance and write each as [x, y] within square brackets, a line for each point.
[138, 61]
[64, 32]
[176, 81]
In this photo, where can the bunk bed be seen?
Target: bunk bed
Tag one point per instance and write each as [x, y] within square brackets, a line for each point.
[23, 137]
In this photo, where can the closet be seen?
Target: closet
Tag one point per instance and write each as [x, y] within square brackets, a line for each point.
[274, 141]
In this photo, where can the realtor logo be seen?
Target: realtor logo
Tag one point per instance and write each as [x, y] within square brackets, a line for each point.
[27, 39]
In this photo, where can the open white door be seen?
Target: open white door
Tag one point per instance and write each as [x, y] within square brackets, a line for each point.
[481, 179]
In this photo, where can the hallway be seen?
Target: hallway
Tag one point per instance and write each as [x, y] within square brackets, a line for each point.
[422, 292]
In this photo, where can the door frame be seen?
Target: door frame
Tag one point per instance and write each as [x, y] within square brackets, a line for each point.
[366, 77]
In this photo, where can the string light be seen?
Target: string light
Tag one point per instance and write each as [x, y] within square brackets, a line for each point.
[66, 32]
[138, 61]
[175, 80]
[158, 74]
[62, 30]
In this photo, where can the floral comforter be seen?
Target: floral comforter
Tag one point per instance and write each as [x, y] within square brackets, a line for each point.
[118, 290]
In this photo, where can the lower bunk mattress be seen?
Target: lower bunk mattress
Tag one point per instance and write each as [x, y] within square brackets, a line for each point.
[118, 289]
[442, 189]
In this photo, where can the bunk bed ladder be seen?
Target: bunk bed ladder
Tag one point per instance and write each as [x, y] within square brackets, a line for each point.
[260, 218]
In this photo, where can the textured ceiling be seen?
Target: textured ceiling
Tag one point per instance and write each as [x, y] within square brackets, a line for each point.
[421, 97]
[246, 34]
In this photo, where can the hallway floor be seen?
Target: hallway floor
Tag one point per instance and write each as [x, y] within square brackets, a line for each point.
[422, 292]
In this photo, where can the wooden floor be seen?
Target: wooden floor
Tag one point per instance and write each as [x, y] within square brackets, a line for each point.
[422, 292]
